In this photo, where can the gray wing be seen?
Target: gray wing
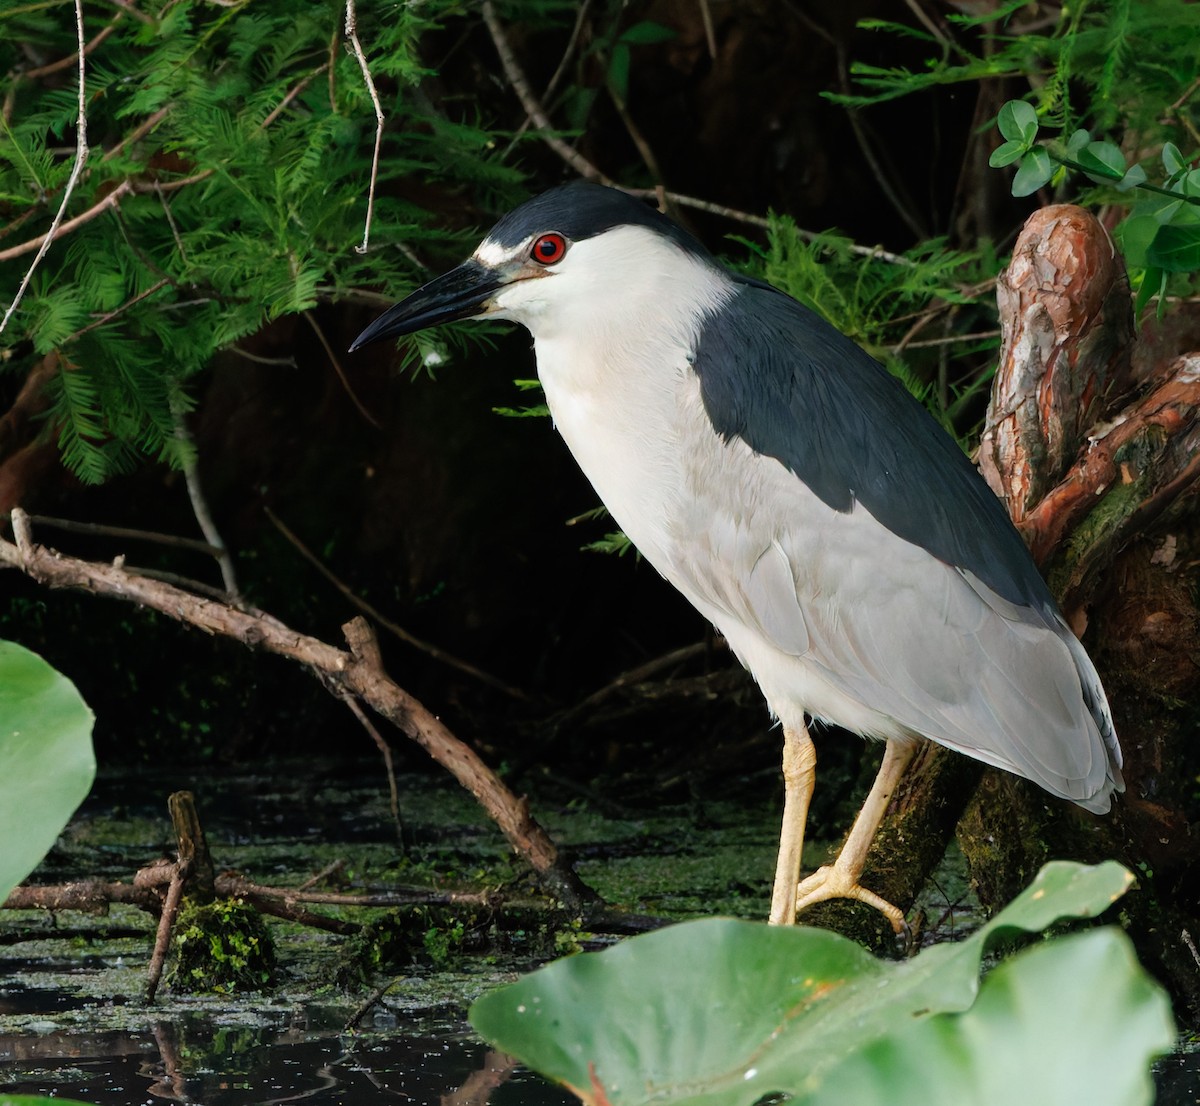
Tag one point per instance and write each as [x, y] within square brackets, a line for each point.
[893, 628]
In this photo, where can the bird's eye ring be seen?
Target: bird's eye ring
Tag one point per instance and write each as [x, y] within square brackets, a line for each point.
[548, 249]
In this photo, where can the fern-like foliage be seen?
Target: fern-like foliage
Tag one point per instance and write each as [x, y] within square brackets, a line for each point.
[1102, 63]
[243, 135]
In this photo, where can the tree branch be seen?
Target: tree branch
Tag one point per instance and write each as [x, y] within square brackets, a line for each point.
[359, 673]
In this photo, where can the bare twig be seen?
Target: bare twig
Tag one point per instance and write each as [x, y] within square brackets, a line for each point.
[67, 62]
[110, 315]
[102, 530]
[290, 95]
[139, 132]
[359, 672]
[127, 6]
[393, 628]
[81, 153]
[533, 108]
[341, 373]
[204, 518]
[644, 149]
[709, 34]
[330, 869]
[166, 920]
[42, 242]
[352, 35]
[385, 750]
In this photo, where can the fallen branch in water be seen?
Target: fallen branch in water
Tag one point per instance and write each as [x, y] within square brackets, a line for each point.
[358, 673]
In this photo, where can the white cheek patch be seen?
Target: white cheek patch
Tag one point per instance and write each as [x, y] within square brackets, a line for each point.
[493, 255]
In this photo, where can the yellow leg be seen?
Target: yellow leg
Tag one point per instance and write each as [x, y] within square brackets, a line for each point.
[839, 880]
[799, 774]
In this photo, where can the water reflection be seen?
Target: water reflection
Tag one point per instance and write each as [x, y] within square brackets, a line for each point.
[200, 1061]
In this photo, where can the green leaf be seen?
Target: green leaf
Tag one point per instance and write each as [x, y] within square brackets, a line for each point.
[1090, 981]
[646, 33]
[1154, 283]
[1018, 122]
[1102, 161]
[1135, 176]
[1176, 248]
[1077, 141]
[723, 1013]
[1173, 161]
[1134, 236]
[1034, 171]
[1006, 154]
[46, 759]
[618, 71]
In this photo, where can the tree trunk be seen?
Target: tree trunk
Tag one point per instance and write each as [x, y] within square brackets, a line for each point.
[1092, 439]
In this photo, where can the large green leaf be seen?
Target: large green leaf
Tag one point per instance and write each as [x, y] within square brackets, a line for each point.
[46, 759]
[1071, 1020]
[721, 1012]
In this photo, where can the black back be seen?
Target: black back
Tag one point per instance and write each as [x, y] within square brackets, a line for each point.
[792, 387]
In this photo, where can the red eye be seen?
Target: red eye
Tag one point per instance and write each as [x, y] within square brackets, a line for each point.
[548, 249]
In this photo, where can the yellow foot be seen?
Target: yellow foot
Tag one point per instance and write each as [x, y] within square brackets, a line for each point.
[832, 882]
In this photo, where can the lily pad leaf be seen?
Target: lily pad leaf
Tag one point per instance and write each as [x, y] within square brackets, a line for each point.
[46, 759]
[1120, 1020]
[722, 1013]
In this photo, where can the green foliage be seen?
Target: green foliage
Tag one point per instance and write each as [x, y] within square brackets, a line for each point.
[242, 161]
[1106, 61]
[1160, 235]
[46, 760]
[222, 947]
[727, 1013]
[876, 299]
[1105, 67]
[433, 934]
[37, 1100]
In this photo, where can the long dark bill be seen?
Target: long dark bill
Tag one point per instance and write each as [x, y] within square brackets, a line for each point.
[458, 294]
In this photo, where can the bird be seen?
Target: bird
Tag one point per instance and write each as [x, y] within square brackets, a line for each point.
[803, 501]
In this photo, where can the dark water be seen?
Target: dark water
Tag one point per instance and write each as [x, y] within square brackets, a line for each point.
[72, 1023]
[197, 1061]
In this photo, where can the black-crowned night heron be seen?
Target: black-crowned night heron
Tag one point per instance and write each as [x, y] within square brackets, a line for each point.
[800, 498]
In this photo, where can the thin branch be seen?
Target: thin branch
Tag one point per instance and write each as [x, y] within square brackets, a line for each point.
[358, 671]
[572, 42]
[81, 153]
[385, 751]
[166, 921]
[341, 373]
[67, 62]
[535, 111]
[204, 518]
[139, 132]
[101, 530]
[393, 628]
[126, 6]
[109, 316]
[644, 149]
[949, 340]
[290, 95]
[352, 35]
[58, 230]
[709, 34]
